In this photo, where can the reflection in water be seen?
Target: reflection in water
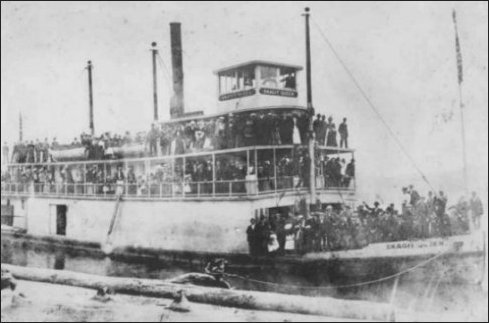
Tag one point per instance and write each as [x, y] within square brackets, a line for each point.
[409, 294]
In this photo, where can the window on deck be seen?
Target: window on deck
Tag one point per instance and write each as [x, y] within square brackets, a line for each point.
[236, 80]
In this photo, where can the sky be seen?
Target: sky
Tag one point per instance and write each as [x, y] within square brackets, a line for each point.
[401, 53]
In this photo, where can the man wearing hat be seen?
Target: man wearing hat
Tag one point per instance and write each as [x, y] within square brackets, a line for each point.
[316, 126]
[343, 131]
[153, 136]
[251, 237]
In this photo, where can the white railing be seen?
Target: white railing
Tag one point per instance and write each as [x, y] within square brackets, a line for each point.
[160, 190]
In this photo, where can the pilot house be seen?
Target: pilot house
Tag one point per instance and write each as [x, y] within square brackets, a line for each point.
[257, 84]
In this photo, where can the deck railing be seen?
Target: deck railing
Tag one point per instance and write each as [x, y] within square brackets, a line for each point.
[165, 190]
[178, 184]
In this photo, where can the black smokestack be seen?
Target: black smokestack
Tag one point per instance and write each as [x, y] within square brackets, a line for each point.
[176, 103]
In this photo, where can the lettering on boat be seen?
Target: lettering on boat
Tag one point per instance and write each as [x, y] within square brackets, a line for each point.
[278, 92]
[419, 245]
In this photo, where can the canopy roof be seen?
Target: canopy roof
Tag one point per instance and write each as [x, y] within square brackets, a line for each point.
[258, 62]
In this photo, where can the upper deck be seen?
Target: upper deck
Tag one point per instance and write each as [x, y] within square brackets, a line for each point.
[237, 173]
[257, 144]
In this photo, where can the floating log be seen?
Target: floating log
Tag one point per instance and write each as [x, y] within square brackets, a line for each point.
[323, 306]
[199, 279]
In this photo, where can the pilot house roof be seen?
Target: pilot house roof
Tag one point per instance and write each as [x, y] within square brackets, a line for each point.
[258, 62]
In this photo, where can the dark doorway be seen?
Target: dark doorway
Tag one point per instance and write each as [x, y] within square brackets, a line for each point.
[61, 219]
[8, 214]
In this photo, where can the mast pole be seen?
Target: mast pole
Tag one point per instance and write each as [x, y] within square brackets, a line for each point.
[90, 97]
[310, 110]
[461, 104]
[154, 52]
[21, 128]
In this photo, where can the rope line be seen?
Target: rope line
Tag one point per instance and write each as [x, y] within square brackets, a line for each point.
[166, 73]
[421, 264]
[371, 105]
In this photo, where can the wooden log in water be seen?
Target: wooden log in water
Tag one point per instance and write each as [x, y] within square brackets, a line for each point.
[324, 306]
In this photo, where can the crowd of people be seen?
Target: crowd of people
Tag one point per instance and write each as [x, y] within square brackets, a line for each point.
[96, 147]
[336, 171]
[193, 175]
[180, 137]
[342, 228]
[326, 132]
[229, 131]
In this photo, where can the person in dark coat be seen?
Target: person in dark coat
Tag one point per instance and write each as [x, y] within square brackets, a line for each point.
[262, 235]
[343, 130]
[249, 130]
[153, 136]
[414, 196]
[442, 218]
[286, 127]
[31, 154]
[323, 127]
[322, 230]
[316, 125]
[251, 237]
[349, 172]
[281, 234]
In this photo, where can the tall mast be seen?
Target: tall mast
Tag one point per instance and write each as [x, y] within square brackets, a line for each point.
[308, 60]
[310, 109]
[90, 97]
[461, 104]
[154, 52]
[21, 130]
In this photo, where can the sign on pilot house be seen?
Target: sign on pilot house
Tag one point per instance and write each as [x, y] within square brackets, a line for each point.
[278, 92]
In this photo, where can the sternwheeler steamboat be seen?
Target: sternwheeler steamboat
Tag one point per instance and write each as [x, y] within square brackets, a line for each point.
[190, 186]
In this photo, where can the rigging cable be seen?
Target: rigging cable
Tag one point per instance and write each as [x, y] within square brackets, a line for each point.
[370, 103]
[166, 73]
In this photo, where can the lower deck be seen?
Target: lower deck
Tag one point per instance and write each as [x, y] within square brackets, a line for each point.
[183, 224]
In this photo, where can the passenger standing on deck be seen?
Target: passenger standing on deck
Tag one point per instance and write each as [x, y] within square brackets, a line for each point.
[164, 141]
[45, 150]
[31, 158]
[316, 125]
[431, 216]
[131, 180]
[328, 227]
[281, 234]
[349, 172]
[251, 237]
[442, 218]
[322, 131]
[178, 145]
[343, 130]
[414, 196]
[423, 218]
[262, 235]
[286, 127]
[322, 228]
[331, 140]
[296, 136]
[5, 153]
[249, 130]
[476, 210]
[152, 140]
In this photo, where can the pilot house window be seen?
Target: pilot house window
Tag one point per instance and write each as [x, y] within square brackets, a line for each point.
[237, 80]
[278, 77]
